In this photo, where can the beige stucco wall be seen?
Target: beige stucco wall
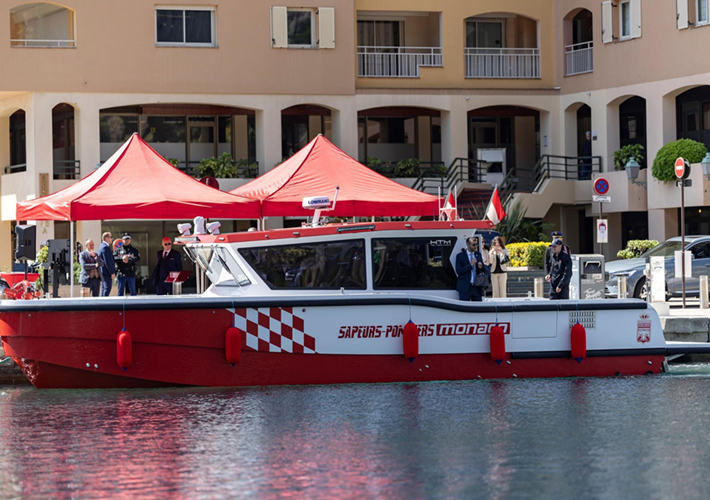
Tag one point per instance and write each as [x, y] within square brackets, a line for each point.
[662, 51]
[121, 55]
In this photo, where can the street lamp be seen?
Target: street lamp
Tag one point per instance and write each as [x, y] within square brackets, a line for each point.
[632, 171]
[705, 163]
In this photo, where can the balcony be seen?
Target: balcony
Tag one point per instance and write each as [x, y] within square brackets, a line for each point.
[396, 62]
[579, 58]
[502, 63]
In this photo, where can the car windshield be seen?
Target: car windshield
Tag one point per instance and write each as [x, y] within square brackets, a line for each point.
[665, 249]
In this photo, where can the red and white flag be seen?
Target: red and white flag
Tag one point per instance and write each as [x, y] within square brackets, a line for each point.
[495, 211]
[449, 208]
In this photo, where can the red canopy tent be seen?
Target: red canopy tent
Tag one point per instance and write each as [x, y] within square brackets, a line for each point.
[137, 183]
[317, 169]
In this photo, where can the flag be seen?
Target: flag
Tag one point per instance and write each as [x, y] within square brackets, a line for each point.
[495, 211]
[449, 208]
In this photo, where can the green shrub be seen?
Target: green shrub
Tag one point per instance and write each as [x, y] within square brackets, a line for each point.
[407, 168]
[663, 164]
[530, 254]
[623, 155]
[222, 167]
[635, 248]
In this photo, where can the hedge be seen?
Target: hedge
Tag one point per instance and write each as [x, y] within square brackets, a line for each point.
[634, 248]
[531, 254]
[664, 163]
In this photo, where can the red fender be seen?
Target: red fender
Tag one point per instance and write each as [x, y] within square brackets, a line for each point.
[233, 345]
[497, 337]
[578, 341]
[124, 349]
[410, 340]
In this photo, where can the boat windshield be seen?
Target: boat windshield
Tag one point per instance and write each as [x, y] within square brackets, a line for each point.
[201, 256]
[228, 262]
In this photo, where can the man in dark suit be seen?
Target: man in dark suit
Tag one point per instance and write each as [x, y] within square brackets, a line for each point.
[169, 260]
[469, 262]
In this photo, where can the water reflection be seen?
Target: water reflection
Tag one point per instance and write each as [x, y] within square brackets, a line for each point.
[597, 438]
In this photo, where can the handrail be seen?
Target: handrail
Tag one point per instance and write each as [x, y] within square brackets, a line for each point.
[579, 58]
[459, 171]
[67, 169]
[396, 62]
[565, 167]
[19, 167]
[502, 62]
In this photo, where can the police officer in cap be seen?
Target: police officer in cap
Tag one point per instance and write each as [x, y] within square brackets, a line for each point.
[560, 272]
[556, 235]
[126, 258]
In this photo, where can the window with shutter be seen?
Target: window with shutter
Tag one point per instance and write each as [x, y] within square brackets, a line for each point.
[607, 24]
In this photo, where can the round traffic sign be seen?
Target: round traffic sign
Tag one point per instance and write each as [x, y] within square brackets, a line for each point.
[601, 186]
[682, 168]
[679, 168]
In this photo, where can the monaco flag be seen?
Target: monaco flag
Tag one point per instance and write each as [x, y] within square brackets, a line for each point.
[449, 208]
[495, 211]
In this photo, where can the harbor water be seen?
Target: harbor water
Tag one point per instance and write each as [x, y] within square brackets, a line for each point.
[626, 437]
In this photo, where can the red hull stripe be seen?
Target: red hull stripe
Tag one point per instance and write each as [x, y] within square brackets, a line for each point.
[180, 367]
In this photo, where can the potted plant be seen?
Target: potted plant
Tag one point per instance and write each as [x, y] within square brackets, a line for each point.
[623, 155]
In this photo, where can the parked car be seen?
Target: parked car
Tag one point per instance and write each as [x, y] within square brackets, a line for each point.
[634, 269]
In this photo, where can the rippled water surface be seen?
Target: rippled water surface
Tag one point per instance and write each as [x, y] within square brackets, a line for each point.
[628, 438]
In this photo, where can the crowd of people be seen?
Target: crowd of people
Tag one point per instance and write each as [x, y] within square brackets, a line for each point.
[477, 266]
[118, 260]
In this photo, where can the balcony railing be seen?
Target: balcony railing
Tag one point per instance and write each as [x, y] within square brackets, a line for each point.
[396, 62]
[43, 43]
[12, 169]
[67, 169]
[502, 63]
[579, 58]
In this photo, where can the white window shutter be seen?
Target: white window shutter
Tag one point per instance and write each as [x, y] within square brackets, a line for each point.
[682, 14]
[607, 32]
[279, 27]
[635, 18]
[326, 27]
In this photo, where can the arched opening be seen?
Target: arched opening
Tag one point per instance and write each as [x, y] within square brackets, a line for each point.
[578, 36]
[41, 25]
[18, 147]
[632, 124]
[65, 165]
[185, 134]
[693, 114]
[501, 45]
[399, 141]
[300, 124]
[506, 138]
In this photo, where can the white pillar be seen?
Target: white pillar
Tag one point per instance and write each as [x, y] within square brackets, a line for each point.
[86, 124]
[454, 131]
[268, 138]
[344, 122]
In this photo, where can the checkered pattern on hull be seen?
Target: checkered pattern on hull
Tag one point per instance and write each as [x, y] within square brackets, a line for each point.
[274, 329]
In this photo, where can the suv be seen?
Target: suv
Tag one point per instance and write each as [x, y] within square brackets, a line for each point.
[633, 269]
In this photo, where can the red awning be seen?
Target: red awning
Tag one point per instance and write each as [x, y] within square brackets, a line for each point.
[137, 183]
[317, 169]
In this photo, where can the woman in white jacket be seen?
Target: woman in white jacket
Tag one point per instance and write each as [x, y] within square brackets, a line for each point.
[499, 270]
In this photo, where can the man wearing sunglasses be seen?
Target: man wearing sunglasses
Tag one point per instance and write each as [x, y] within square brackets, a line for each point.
[469, 265]
[169, 260]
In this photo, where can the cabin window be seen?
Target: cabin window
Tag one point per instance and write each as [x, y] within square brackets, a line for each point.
[413, 263]
[332, 265]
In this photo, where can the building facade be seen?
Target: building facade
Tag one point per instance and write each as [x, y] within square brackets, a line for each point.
[385, 80]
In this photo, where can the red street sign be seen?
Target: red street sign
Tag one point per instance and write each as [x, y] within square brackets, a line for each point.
[601, 186]
[680, 168]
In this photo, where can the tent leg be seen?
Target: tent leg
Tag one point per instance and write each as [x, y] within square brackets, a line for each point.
[71, 252]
